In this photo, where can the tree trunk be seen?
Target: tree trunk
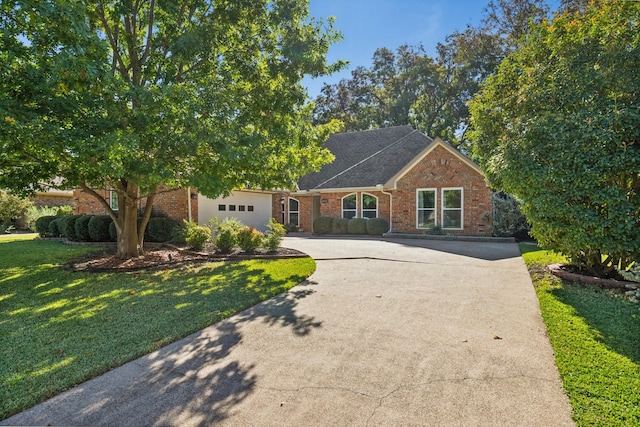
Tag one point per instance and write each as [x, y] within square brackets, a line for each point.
[129, 245]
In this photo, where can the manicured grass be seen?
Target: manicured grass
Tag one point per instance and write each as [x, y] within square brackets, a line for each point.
[59, 328]
[596, 339]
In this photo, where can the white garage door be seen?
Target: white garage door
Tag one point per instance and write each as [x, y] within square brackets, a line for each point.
[253, 209]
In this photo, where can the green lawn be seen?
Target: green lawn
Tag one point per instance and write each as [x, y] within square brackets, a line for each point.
[596, 339]
[59, 328]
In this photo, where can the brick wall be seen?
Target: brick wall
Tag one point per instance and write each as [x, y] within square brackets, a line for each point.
[331, 203]
[172, 203]
[442, 169]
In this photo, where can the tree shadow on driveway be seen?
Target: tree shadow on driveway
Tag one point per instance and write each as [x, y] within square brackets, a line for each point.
[197, 380]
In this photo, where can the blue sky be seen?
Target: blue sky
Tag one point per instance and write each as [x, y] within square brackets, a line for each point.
[370, 24]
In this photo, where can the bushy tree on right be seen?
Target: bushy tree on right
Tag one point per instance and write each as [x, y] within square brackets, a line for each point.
[558, 126]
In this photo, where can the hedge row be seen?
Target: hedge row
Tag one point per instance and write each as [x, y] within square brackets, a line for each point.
[101, 228]
[328, 225]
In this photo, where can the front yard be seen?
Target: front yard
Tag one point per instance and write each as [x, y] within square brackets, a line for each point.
[59, 328]
[596, 339]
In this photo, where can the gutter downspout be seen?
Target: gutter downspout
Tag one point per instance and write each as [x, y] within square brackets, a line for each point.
[189, 204]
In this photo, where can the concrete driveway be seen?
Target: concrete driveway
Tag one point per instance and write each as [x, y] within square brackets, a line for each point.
[384, 333]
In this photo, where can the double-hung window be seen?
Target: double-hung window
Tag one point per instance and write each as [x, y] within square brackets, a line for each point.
[350, 206]
[452, 208]
[113, 199]
[369, 206]
[426, 208]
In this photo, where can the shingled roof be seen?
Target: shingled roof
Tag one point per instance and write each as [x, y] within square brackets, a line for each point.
[367, 158]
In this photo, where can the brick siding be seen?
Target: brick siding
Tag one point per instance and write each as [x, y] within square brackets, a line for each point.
[171, 203]
[439, 169]
[442, 169]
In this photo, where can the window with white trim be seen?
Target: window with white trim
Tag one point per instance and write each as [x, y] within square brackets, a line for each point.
[426, 199]
[452, 208]
[113, 199]
[369, 206]
[294, 211]
[350, 206]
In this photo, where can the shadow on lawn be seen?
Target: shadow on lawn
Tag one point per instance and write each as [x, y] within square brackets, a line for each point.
[616, 320]
[197, 378]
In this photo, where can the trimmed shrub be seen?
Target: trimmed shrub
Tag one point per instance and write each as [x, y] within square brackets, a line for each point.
[377, 226]
[99, 228]
[42, 224]
[357, 226]
[339, 226]
[113, 233]
[81, 227]
[54, 227]
[322, 225]
[226, 240]
[161, 229]
[32, 214]
[249, 239]
[273, 237]
[68, 226]
[197, 236]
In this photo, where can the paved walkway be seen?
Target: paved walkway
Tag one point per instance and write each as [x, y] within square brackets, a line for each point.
[384, 333]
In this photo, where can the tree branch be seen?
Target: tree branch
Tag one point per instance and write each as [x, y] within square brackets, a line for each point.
[147, 48]
[113, 40]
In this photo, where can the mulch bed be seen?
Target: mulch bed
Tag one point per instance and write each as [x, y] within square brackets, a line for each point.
[571, 273]
[168, 256]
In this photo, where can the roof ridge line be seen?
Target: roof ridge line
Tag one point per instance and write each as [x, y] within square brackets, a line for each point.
[367, 158]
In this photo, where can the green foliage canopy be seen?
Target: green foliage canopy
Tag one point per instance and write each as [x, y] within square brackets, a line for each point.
[132, 95]
[559, 127]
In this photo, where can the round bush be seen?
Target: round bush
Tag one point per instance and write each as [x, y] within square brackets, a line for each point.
[42, 224]
[357, 226]
[54, 227]
[249, 239]
[82, 228]
[377, 226]
[340, 226]
[68, 226]
[197, 236]
[226, 240]
[322, 225]
[99, 228]
[160, 229]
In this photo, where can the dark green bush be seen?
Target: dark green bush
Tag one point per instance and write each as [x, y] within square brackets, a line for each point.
[42, 225]
[357, 226]
[113, 233]
[99, 228]
[339, 226]
[322, 225]
[68, 226]
[249, 239]
[377, 226]
[160, 229]
[82, 228]
[54, 228]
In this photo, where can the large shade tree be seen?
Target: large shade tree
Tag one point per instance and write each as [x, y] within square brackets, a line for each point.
[408, 86]
[134, 95]
[559, 127]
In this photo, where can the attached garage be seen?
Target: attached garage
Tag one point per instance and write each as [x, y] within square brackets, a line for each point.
[253, 208]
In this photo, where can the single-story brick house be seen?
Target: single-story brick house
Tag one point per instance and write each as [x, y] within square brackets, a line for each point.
[395, 173]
